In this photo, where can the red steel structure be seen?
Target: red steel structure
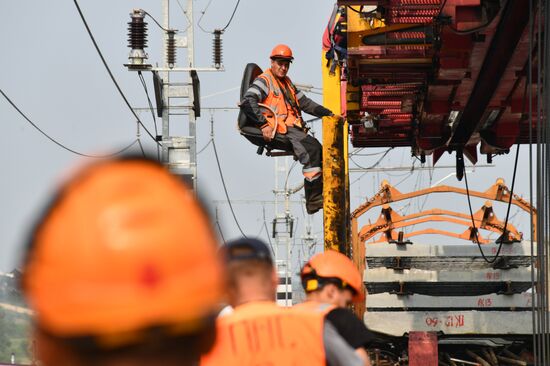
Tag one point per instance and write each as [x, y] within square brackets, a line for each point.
[438, 75]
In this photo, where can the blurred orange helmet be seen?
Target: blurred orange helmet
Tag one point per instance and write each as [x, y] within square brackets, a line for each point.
[125, 246]
[281, 51]
[332, 267]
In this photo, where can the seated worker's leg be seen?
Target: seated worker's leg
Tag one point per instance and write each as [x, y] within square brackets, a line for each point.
[309, 151]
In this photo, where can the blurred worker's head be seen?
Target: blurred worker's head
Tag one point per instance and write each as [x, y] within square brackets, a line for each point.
[122, 269]
[332, 293]
[251, 275]
[281, 57]
[331, 277]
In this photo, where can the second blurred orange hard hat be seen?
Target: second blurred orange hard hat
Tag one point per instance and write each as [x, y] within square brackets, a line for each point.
[332, 264]
[125, 246]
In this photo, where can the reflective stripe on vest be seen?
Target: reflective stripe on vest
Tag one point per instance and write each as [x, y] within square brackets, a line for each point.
[286, 115]
[314, 306]
[262, 333]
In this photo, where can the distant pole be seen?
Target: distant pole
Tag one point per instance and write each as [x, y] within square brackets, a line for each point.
[179, 153]
[192, 96]
[283, 226]
[165, 76]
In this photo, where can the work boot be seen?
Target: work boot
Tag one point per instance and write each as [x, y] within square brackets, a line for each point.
[314, 195]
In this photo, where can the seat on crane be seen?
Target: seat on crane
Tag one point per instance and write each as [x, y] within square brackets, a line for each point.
[250, 131]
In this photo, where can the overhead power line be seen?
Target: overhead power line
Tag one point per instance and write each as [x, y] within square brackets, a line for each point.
[158, 24]
[228, 23]
[505, 230]
[225, 189]
[202, 15]
[232, 15]
[219, 226]
[110, 73]
[221, 175]
[57, 142]
[187, 16]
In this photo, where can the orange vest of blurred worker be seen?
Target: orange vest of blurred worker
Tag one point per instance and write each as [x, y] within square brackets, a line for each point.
[262, 333]
[286, 114]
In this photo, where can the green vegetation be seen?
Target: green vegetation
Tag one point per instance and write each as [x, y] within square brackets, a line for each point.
[14, 327]
[14, 337]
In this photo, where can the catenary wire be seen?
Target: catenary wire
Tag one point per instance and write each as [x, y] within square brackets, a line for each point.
[356, 152]
[141, 148]
[110, 73]
[202, 15]
[218, 225]
[408, 176]
[505, 231]
[154, 20]
[57, 142]
[288, 175]
[376, 163]
[228, 23]
[232, 15]
[151, 109]
[186, 16]
[225, 188]
[370, 167]
[205, 146]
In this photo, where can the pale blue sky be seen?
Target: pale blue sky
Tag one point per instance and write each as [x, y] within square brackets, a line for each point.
[53, 73]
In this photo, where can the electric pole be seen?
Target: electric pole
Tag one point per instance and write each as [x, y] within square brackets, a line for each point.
[179, 153]
[283, 229]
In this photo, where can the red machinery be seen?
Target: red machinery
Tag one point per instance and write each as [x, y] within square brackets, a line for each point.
[438, 75]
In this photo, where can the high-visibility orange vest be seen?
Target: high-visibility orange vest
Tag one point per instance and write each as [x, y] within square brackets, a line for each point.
[286, 114]
[314, 306]
[264, 334]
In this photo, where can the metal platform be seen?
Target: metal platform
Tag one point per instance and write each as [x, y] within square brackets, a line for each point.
[451, 322]
[382, 275]
[449, 250]
[449, 289]
[389, 302]
[459, 289]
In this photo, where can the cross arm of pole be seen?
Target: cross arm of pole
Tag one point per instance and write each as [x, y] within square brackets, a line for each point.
[185, 69]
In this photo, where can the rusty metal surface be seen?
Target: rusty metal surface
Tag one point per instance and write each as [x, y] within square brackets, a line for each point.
[334, 193]
[334, 166]
[423, 349]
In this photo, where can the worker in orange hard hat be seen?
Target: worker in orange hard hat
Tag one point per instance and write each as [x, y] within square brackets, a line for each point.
[332, 282]
[258, 332]
[274, 89]
[122, 269]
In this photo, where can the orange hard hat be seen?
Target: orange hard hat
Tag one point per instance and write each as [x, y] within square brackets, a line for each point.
[125, 246]
[281, 51]
[328, 266]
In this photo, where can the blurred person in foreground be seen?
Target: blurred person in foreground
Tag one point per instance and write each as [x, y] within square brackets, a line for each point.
[258, 332]
[122, 269]
[332, 283]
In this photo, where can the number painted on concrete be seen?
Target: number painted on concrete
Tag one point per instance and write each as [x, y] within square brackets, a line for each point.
[431, 321]
[451, 321]
[484, 302]
[492, 275]
[455, 321]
